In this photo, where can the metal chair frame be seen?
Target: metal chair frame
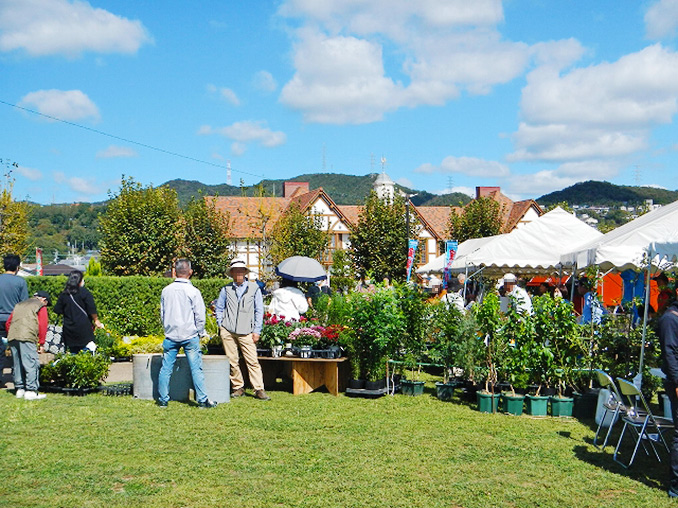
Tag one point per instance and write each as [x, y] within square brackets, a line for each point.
[614, 405]
[641, 422]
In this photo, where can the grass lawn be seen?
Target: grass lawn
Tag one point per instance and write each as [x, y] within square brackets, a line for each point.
[312, 450]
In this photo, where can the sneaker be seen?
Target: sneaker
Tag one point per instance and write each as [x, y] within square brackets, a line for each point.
[207, 404]
[261, 395]
[20, 393]
[161, 404]
[34, 396]
[238, 393]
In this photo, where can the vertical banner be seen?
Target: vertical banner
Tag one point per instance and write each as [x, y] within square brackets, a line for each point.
[411, 250]
[450, 252]
[38, 262]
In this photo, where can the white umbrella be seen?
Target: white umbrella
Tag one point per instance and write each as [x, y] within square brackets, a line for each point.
[301, 269]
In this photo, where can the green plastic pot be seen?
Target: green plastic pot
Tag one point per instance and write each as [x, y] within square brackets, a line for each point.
[537, 405]
[412, 388]
[445, 391]
[561, 406]
[487, 402]
[513, 404]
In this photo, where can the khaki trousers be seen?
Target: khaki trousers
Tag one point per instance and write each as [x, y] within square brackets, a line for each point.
[233, 341]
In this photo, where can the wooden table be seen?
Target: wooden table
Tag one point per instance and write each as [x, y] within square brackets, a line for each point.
[311, 373]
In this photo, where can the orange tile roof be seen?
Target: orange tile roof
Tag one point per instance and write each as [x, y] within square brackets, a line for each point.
[247, 214]
[437, 217]
[352, 213]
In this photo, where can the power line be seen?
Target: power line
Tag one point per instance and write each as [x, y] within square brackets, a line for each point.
[119, 138]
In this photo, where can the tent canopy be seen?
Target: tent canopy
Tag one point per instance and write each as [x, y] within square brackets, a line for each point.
[626, 247]
[437, 265]
[535, 247]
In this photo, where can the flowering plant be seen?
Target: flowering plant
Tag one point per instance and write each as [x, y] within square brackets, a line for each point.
[275, 330]
[332, 336]
[307, 336]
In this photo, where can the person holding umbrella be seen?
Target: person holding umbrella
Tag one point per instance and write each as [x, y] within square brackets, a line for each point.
[240, 316]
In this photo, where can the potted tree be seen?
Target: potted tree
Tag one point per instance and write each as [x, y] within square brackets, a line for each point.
[567, 346]
[452, 334]
[539, 355]
[490, 327]
[518, 332]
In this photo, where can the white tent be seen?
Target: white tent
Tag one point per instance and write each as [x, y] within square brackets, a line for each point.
[627, 246]
[437, 265]
[535, 247]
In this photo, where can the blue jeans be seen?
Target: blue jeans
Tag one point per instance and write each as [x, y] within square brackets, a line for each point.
[169, 357]
[26, 365]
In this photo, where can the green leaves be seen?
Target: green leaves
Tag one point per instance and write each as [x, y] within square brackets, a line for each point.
[481, 217]
[298, 234]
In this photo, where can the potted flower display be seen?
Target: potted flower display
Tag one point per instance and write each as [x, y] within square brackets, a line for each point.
[275, 333]
[305, 339]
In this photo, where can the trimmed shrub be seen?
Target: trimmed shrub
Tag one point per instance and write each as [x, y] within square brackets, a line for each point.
[126, 305]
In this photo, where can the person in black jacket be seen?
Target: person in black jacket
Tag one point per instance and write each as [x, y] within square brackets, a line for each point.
[668, 338]
[76, 304]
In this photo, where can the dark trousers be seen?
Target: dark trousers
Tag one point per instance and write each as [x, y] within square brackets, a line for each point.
[673, 472]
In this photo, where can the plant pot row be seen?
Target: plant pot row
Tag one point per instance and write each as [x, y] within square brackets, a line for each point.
[532, 404]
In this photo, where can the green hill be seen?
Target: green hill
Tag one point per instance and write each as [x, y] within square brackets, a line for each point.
[343, 189]
[595, 193]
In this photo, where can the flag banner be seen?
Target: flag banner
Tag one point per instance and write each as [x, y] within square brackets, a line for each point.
[411, 250]
[450, 252]
[38, 262]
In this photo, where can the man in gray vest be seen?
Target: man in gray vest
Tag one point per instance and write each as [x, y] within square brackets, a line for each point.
[240, 316]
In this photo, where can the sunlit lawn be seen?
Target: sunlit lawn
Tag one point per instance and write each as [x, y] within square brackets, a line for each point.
[306, 451]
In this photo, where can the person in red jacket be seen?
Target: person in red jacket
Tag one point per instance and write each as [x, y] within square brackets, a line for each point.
[26, 331]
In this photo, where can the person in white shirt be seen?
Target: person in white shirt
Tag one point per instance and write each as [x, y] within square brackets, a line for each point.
[288, 302]
[518, 296]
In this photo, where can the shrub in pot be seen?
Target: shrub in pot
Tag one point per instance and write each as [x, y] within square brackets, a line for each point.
[83, 370]
[379, 325]
[518, 332]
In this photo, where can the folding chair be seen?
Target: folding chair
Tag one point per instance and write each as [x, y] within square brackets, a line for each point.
[614, 405]
[647, 427]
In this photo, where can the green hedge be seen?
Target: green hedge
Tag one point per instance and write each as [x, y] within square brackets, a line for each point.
[126, 305]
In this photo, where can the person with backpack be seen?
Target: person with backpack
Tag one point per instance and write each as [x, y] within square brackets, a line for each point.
[77, 306]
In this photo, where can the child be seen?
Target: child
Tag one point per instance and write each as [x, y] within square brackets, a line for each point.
[26, 331]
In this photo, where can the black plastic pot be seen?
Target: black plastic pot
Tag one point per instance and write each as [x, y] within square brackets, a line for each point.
[375, 385]
[356, 384]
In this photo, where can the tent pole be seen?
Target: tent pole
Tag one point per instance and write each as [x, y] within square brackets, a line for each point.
[574, 278]
[646, 307]
[465, 282]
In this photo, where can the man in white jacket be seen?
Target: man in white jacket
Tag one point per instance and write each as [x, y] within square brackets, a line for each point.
[288, 302]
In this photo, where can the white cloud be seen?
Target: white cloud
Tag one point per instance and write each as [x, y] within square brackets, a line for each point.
[225, 93]
[264, 81]
[600, 111]
[470, 166]
[238, 148]
[113, 152]
[661, 19]
[443, 46]
[50, 27]
[340, 80]
[62, 104]
[83, 186]
[405, 182]
[30, 173]
[246, 132]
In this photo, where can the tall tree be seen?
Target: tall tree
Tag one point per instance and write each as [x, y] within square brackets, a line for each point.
[481, 217]
[379, 240]
[206, 241]
[13, 217]
[141, 230]
[298, 234]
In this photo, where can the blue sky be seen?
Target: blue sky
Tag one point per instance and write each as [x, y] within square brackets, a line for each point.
[530, 95]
